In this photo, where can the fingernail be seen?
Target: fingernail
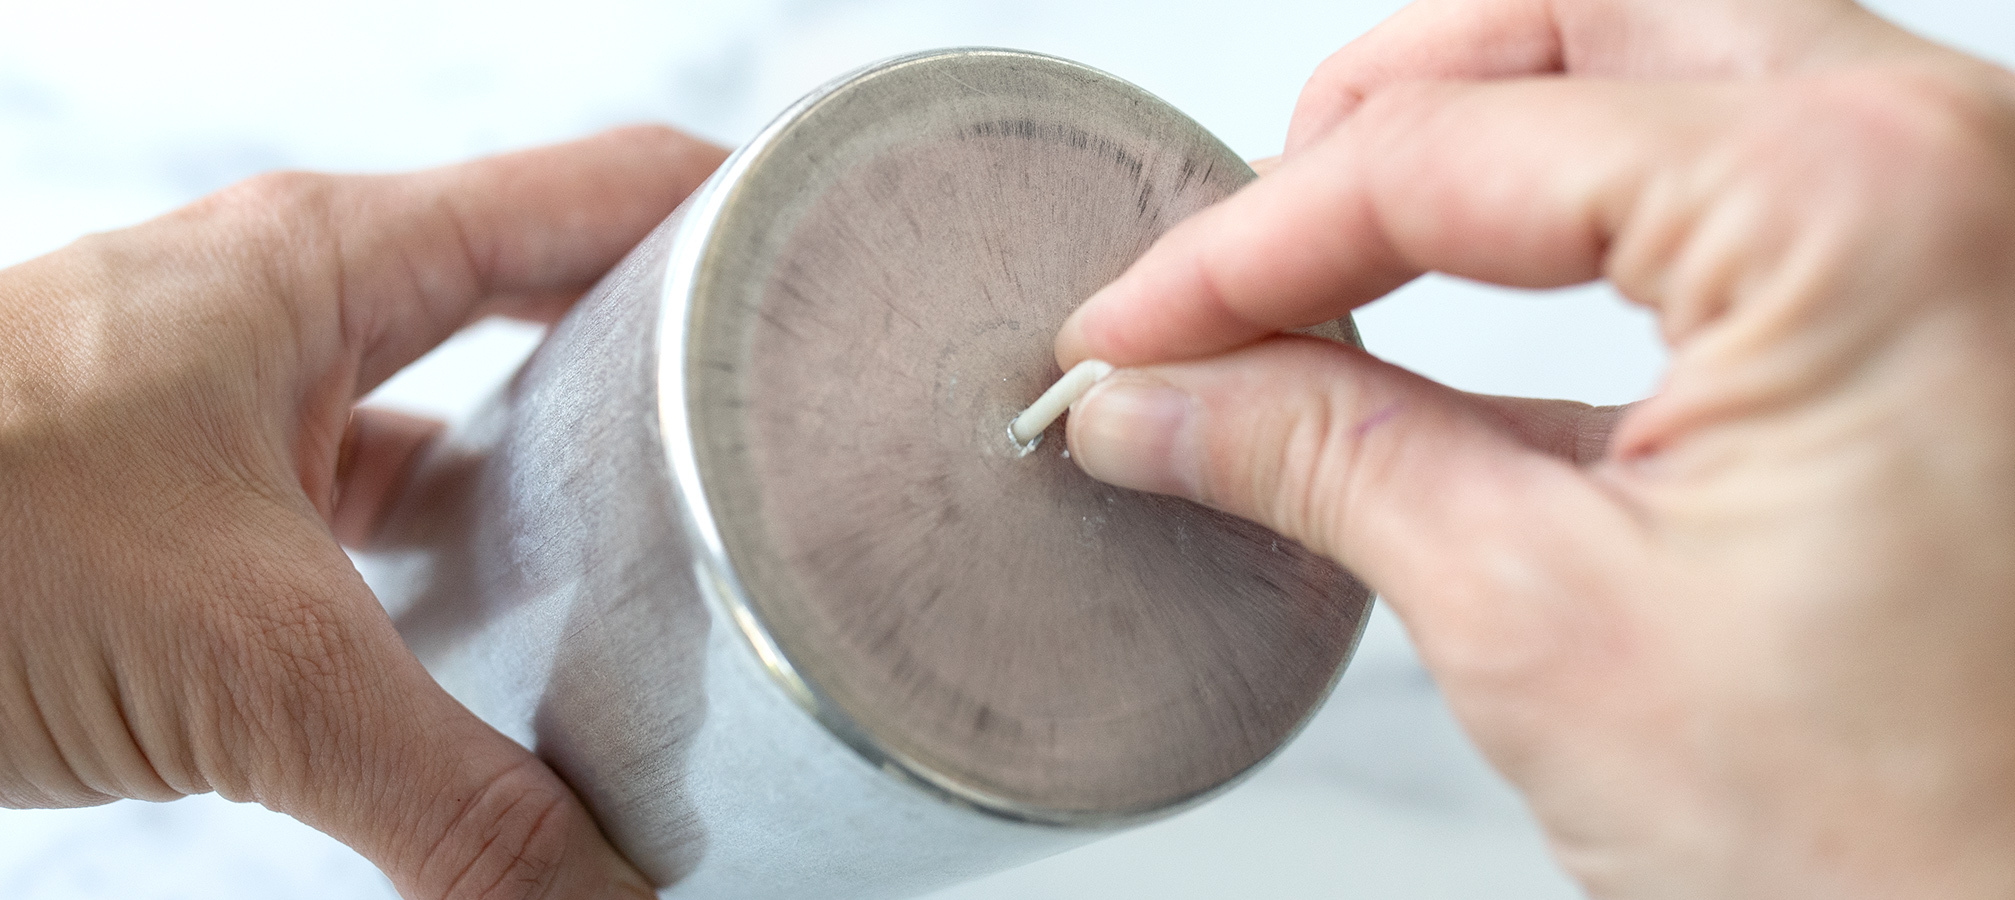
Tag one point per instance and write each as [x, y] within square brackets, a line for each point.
[1138, 432]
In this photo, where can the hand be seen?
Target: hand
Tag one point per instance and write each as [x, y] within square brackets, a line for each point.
[1752, 637]
[178, 457]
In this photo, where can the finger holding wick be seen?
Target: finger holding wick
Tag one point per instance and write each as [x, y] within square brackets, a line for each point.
[1025, 432]
[1027, 428]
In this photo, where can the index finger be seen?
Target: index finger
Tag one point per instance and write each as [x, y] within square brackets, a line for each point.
[1522, 183]
[543, 221]
[378, 269]
[1440, 40]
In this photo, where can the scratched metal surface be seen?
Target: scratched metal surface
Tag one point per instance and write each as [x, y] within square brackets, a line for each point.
[744, 551]
[879, 305]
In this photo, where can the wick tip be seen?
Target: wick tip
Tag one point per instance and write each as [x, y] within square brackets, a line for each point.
[1023, 448]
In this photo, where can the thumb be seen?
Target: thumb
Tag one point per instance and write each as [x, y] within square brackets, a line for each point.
[353, 737]
[478, 816]
[1446, 504]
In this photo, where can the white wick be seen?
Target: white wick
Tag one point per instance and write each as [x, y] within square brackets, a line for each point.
[1030, 424]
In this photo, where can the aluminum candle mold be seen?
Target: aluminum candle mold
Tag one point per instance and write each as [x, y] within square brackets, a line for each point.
[744, 550]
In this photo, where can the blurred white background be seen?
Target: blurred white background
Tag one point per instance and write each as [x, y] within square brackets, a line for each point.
[112, 112]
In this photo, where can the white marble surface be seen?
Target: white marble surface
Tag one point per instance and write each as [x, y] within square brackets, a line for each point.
[113, 112]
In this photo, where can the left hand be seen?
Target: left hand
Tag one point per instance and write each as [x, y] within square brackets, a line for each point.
[179, 456]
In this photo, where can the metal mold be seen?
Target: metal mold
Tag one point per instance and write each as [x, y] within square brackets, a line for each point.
[743, 553]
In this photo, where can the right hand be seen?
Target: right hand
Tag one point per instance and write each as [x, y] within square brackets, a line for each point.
[1754, 636]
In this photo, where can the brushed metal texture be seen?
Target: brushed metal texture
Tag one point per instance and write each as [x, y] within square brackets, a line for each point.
[744, 551]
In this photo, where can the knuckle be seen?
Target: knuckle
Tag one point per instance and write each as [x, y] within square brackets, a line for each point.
[291, 673]
[1337, 83]
[1825, 174]
[298, 634]
[279, 191]
[1896, 127]
[275, 211]
[1303, 487]
[44, 780]
[1398, 109]
[1397, 136]
[507, 842]
[1336, 70]
[1315, 455]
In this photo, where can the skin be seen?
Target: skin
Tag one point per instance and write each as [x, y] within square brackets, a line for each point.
[1751, 637]
[179, 455]
[1748, 638]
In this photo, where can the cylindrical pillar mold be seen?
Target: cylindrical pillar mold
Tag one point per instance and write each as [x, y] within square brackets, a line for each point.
[745, 551]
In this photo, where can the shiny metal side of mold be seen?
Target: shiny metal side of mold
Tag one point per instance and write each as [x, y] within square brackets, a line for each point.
[610, 564]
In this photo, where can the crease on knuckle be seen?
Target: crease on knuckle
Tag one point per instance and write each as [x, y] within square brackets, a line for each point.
[1388, 118]
[279, 231]
[516, 822]
[1898, 130]
[477, 253]
[1307, 487]
[286, 208]
[41, 772]
[1394, 138]
[1822, 175]
[1334, 90]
